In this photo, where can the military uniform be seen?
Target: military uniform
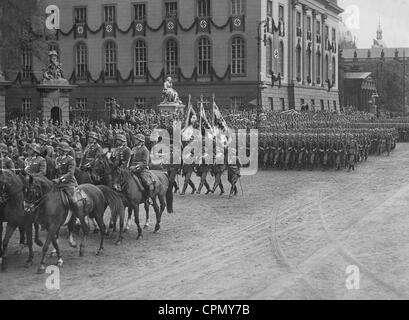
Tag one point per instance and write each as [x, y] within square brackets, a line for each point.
[121, 156]
[36, 166]
[91, 152]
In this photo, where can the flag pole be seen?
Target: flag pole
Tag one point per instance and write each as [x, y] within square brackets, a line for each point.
[213, 96]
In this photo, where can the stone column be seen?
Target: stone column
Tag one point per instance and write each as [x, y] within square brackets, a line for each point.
[323, 19]
[304, 72]
[314, 48]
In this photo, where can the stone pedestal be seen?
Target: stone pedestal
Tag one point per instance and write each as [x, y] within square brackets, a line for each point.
[55, 101]
[3, 86]
[171, 107]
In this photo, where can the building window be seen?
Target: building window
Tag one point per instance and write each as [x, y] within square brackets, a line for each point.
[171, 57]
[298, 62]
[140, 58]
[313, 104]
[236, 103]
[298, 19]
[335, 105]
[309, 24]
[203, 8]
[205, 58]
[334, 71]
[309, 64]
[140, 11]
[282, 104]
[326, 65]
[281, 59]
[27, 62]
[270, 8]
[281, 13]
[81, 104]
[171, 9]
[238, 56]
[81, 60]
[140, 102]
[318, 27]
[26, 107]
[237, 7]
[80, 15]
[322, 105]
[334, 35]
[269, 57]
[109, 14]
[271, 103]
[110, 59]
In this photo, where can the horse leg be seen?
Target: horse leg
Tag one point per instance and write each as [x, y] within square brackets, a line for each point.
[85, 231]
[37, 240]
[58, 251]
[95, 223]
[147, 222]
[129, 221]
[50, 236]
[22, 243]
[29, 233]
[159, 212]
[121, 227]
[136, 214]
[71, 226]
[100, 221]
[9, 232]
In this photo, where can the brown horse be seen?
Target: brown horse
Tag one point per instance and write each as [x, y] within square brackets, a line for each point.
[12, 212]
[102, 173]
[124, 182]
[44, 195]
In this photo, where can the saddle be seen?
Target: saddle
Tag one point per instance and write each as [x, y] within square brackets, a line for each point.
[79, 196]
[138, 181]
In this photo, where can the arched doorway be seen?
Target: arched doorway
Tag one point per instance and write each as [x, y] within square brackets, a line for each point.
[56, 114]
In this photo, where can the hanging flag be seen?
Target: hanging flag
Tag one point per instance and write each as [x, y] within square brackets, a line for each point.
[140, 28]
[80, 30]
[109, 30]
[203, 25]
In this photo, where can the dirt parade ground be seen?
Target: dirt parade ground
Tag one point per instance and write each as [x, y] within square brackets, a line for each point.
[292, 235]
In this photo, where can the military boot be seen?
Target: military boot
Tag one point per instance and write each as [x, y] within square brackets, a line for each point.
[184, 189]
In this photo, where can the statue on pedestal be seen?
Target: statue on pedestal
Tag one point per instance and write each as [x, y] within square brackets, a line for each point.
[169, 95]
[54, 73]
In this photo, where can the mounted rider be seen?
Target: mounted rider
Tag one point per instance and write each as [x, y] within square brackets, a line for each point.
[122, 154]
[92, 151]
[5, 161]
[139, 165]
[65, 169]
[35, 164]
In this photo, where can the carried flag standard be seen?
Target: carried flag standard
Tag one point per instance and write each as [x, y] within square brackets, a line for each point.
[220, 130]
[191, 118]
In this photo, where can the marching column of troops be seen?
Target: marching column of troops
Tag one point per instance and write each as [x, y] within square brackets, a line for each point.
[323, 148]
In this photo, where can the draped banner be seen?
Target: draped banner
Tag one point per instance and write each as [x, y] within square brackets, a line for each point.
[238, 23]
[109, 30]
[80, 30]
[139, 28]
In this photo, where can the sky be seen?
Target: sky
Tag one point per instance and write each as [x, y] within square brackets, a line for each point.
[394, 16]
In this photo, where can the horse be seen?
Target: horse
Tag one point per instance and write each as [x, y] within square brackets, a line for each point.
[53, 212]
[124, 182]
[102, 173]
[12, 212]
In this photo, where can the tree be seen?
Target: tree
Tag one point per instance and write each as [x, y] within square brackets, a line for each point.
[22, 24]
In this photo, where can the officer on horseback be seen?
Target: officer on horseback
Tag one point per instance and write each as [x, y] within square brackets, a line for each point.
[140, 165]
[65, 167]
[92, 151]
[122, 154]
[35, 164]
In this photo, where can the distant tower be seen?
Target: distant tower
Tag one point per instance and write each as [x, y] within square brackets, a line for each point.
[379, 32]
[378, 42]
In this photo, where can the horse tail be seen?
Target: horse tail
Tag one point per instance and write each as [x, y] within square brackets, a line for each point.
[113, 200]
[169, 196]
